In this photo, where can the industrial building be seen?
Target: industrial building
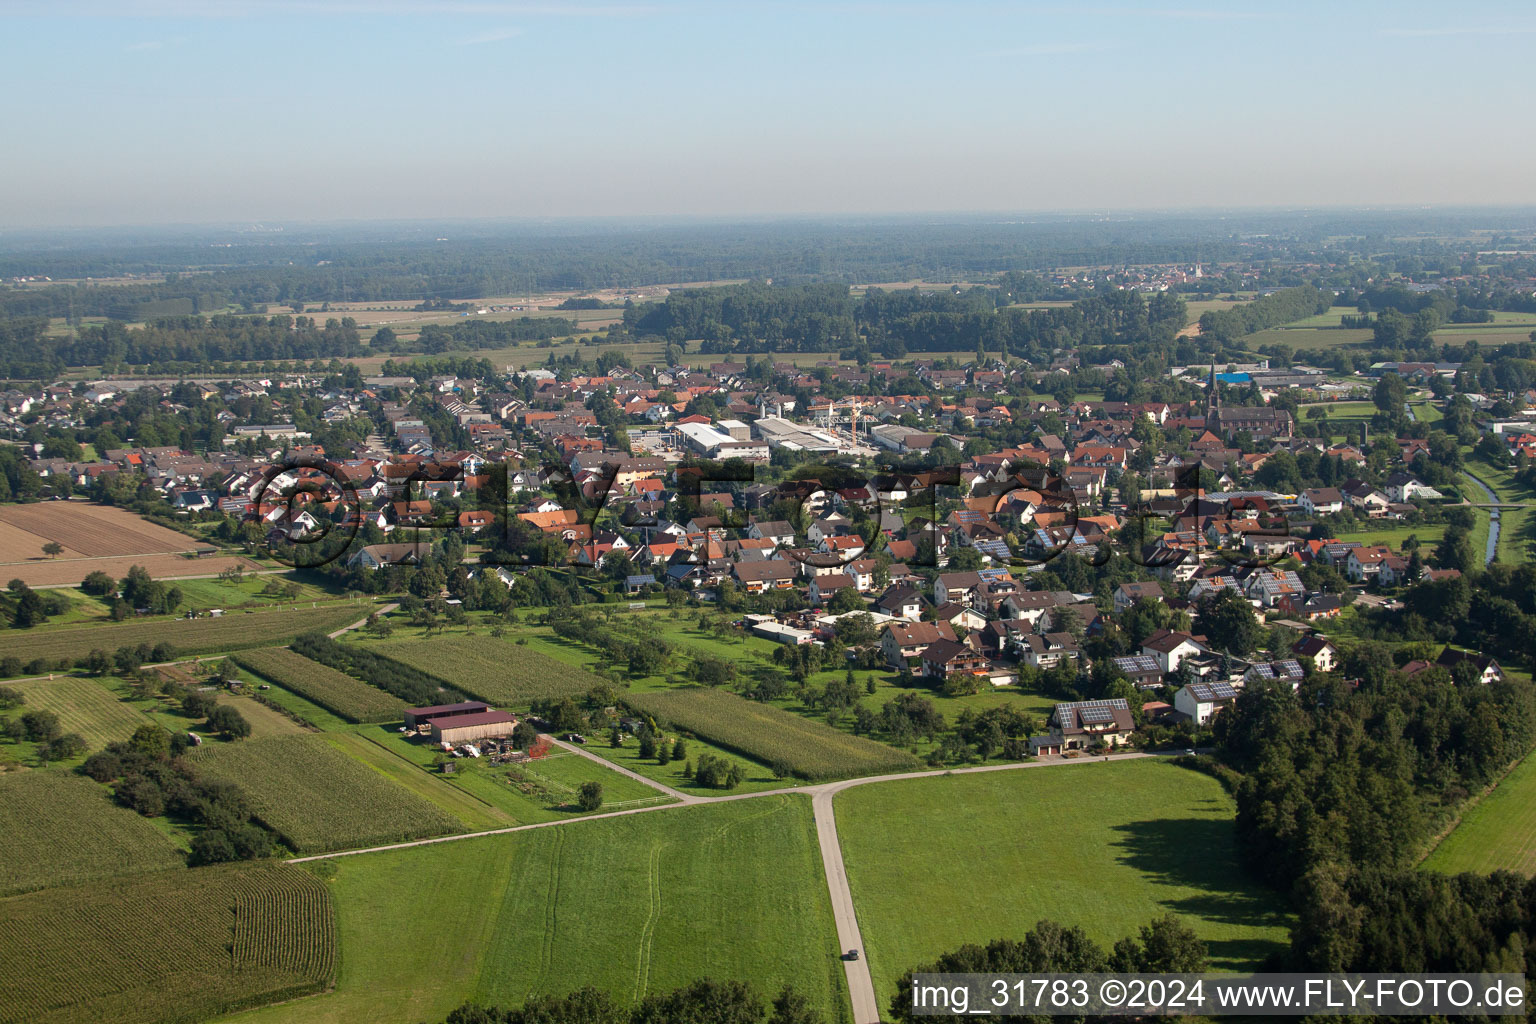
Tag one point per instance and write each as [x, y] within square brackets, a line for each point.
[782, 433]
[702, 438]
[715, 444]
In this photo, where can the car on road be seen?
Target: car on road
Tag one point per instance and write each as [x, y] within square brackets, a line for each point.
[852, 954]
[573, 737]
[1190, 751]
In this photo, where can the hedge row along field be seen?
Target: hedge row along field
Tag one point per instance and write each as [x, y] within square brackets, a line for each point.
[492, 670]
[57, 827]
[317, 798]
[335, 691]
[232, 632]
[409, 684]
[172, 946]
[810, 750]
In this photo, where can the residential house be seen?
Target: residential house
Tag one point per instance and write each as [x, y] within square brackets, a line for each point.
[1202, 701]
[904, 640]
[946, 657]
[824, 587]
[377, 556]
[902, 601]
[1127, 594]
[1046, 651]
[1084, 725]
[755, 577]
[1140, 670]
[1324, 655]
[1364, 564]
[1321, 501]
[1287, 670]
[1487, 668]
[1168, 648]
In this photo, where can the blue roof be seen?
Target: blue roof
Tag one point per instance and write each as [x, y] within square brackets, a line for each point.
[1233, 378]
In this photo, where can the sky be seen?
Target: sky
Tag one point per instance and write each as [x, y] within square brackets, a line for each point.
[142, 112]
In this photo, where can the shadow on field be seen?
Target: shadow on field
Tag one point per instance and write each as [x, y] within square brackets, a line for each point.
[1200, 854]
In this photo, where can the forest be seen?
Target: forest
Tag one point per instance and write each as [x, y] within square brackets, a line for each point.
[756, 317]
[1340, 788]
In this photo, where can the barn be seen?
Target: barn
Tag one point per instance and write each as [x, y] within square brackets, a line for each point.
[416, 718]
[457, 729]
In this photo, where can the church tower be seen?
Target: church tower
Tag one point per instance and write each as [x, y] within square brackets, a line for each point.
[1212, 399]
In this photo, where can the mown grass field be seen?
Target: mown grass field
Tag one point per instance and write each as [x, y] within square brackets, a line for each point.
[1393, 535]
[165, 947]
[935, 863]
[1501, 479]
[57, 827]
[1496, 834]
[335, 691]
[1517, 536]
[318, 798]
[809, 749]
[1306, 339]
[632, 905]
[496, 671]
[1342, 410]
[84, 706]
[232, 632]
[248, 592]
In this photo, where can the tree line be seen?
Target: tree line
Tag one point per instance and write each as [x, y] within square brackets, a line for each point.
[1341, 785]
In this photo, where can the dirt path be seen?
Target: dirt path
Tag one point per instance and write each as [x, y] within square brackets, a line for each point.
[382, 610]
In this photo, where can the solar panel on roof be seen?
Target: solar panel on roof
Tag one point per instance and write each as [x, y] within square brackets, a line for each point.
[1096, 716]
[1223, 690]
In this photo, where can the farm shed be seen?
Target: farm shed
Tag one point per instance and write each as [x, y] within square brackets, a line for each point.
[458, 729]
[415, 718]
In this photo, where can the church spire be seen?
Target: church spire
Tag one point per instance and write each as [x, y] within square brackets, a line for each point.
[1212, 397]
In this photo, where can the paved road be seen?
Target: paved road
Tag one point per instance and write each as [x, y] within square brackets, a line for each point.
[861, 986]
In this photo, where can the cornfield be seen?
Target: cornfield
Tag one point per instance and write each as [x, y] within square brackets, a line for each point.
[57, 827]
[335, 691]
[809, 750]
[317, 798]
[157, 947]
[496, 671]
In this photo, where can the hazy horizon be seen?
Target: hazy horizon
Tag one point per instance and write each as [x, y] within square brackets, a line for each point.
[169, 112]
